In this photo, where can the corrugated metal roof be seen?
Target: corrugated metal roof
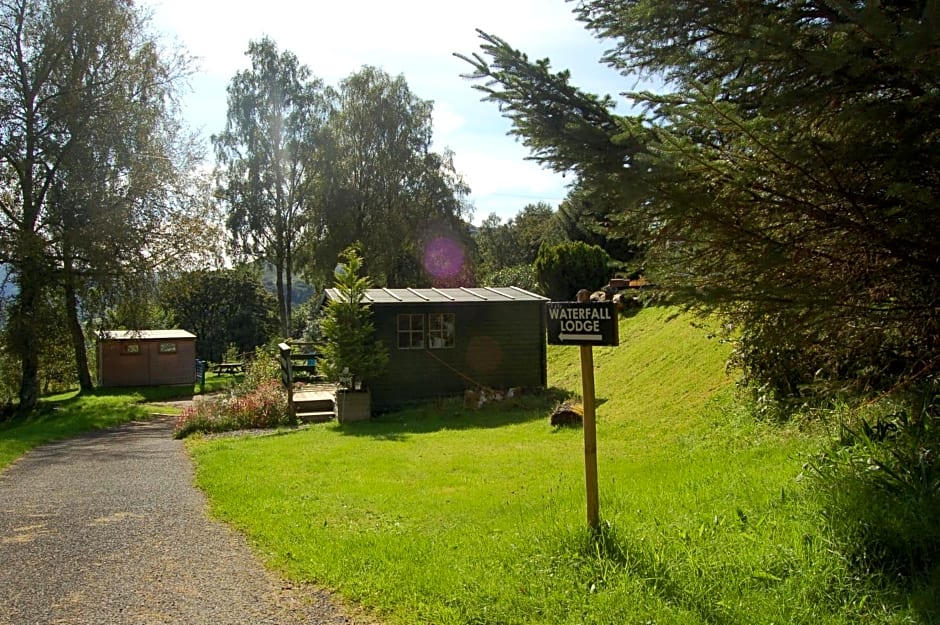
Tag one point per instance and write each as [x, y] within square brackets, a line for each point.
[143, 335]
[453, 295]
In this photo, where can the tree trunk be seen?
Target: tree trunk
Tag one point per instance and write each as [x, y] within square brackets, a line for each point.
[76, 334]
[24, 335]
[289, 299]
[282, 306]
[29, 385]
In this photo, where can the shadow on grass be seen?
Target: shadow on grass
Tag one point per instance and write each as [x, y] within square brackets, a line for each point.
[146, 393]
[607, 553]
[882, 493]
[890, 539]
[451, 414]
[600, 556]
[65, 417]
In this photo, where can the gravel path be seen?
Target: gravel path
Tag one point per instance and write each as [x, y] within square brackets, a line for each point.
[108, 529]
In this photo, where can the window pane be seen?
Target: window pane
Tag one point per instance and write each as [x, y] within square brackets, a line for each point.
[441, 330]
[410, 331]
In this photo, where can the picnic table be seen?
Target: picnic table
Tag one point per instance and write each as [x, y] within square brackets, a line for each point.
[228, 367]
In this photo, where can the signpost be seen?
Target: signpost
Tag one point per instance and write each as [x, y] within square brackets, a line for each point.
[201, 374]
[586, 324]
[582, 323]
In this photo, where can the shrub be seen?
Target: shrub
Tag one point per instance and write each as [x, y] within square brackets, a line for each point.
[565, 268]
[882, 483]
[261, 369]
[264, 406]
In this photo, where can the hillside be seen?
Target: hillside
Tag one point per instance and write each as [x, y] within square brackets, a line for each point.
[449, 515]
[655, 383]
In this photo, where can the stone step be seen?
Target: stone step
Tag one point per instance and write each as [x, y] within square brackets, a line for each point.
[314, 405]
[316, 417]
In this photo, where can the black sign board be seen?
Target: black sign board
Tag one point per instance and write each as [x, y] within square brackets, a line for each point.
[582, 323]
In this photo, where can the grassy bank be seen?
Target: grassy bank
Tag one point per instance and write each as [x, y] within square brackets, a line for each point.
[446, 515]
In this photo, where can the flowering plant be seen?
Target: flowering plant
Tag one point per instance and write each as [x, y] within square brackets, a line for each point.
[264, 406]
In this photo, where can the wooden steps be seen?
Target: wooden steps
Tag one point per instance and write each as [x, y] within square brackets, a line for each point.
[315, 403]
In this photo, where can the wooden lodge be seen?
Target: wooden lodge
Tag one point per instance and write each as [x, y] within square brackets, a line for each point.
[442, 342]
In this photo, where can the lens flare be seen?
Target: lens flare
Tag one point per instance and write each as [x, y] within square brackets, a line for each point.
[443, 258]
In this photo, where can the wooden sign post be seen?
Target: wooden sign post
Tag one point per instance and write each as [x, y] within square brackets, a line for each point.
[586, 324]
[590, 437]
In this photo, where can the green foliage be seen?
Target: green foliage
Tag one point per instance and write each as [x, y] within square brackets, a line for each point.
[784, 175]
[349, 352]
[263, 367]
[399, 200]
[566, 268]
[586, 216]
[882, 483]
[262, 406]
[497, 245]
[222, 308]
[56, 371]
[522, 276]
[9, 380]
[502, 246]
[305, 318]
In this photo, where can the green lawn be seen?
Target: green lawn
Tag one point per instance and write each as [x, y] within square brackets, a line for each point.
[68, 414]
[447, 515]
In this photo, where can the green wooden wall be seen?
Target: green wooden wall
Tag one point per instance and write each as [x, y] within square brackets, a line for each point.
[498, 345]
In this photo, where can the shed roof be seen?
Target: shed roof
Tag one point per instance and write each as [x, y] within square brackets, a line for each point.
[143, 335]
[439, 296]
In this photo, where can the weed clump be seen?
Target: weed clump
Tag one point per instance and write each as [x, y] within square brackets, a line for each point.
[882, 486]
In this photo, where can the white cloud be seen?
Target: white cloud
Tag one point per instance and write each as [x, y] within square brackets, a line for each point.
[446, 122]
[416, 38]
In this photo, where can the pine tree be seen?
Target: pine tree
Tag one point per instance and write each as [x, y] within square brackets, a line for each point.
[785, 174]
[350, 353]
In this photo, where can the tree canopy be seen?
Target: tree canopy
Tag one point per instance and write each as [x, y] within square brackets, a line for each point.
[223, 308]
[268, 156]
[786, 173]
[305, 170]
[508, 250]
[383, 184]
[89, 146]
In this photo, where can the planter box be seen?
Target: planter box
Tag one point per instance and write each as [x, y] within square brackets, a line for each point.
[353, 406]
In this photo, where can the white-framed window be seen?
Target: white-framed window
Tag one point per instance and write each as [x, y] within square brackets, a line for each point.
[167, 348]
[441, 330]
[410, 331]
[131, 348]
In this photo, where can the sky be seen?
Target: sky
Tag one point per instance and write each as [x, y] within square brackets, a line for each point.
[414, 38]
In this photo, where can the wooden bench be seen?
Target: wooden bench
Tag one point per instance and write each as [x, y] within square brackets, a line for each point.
[228, 367]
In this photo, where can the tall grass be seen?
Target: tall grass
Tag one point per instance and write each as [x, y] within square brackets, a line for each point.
[446, 515]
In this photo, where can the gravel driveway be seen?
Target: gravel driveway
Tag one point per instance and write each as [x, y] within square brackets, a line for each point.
[108, 528]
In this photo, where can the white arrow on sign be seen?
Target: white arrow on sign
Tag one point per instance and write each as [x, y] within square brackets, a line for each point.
[580, 337]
